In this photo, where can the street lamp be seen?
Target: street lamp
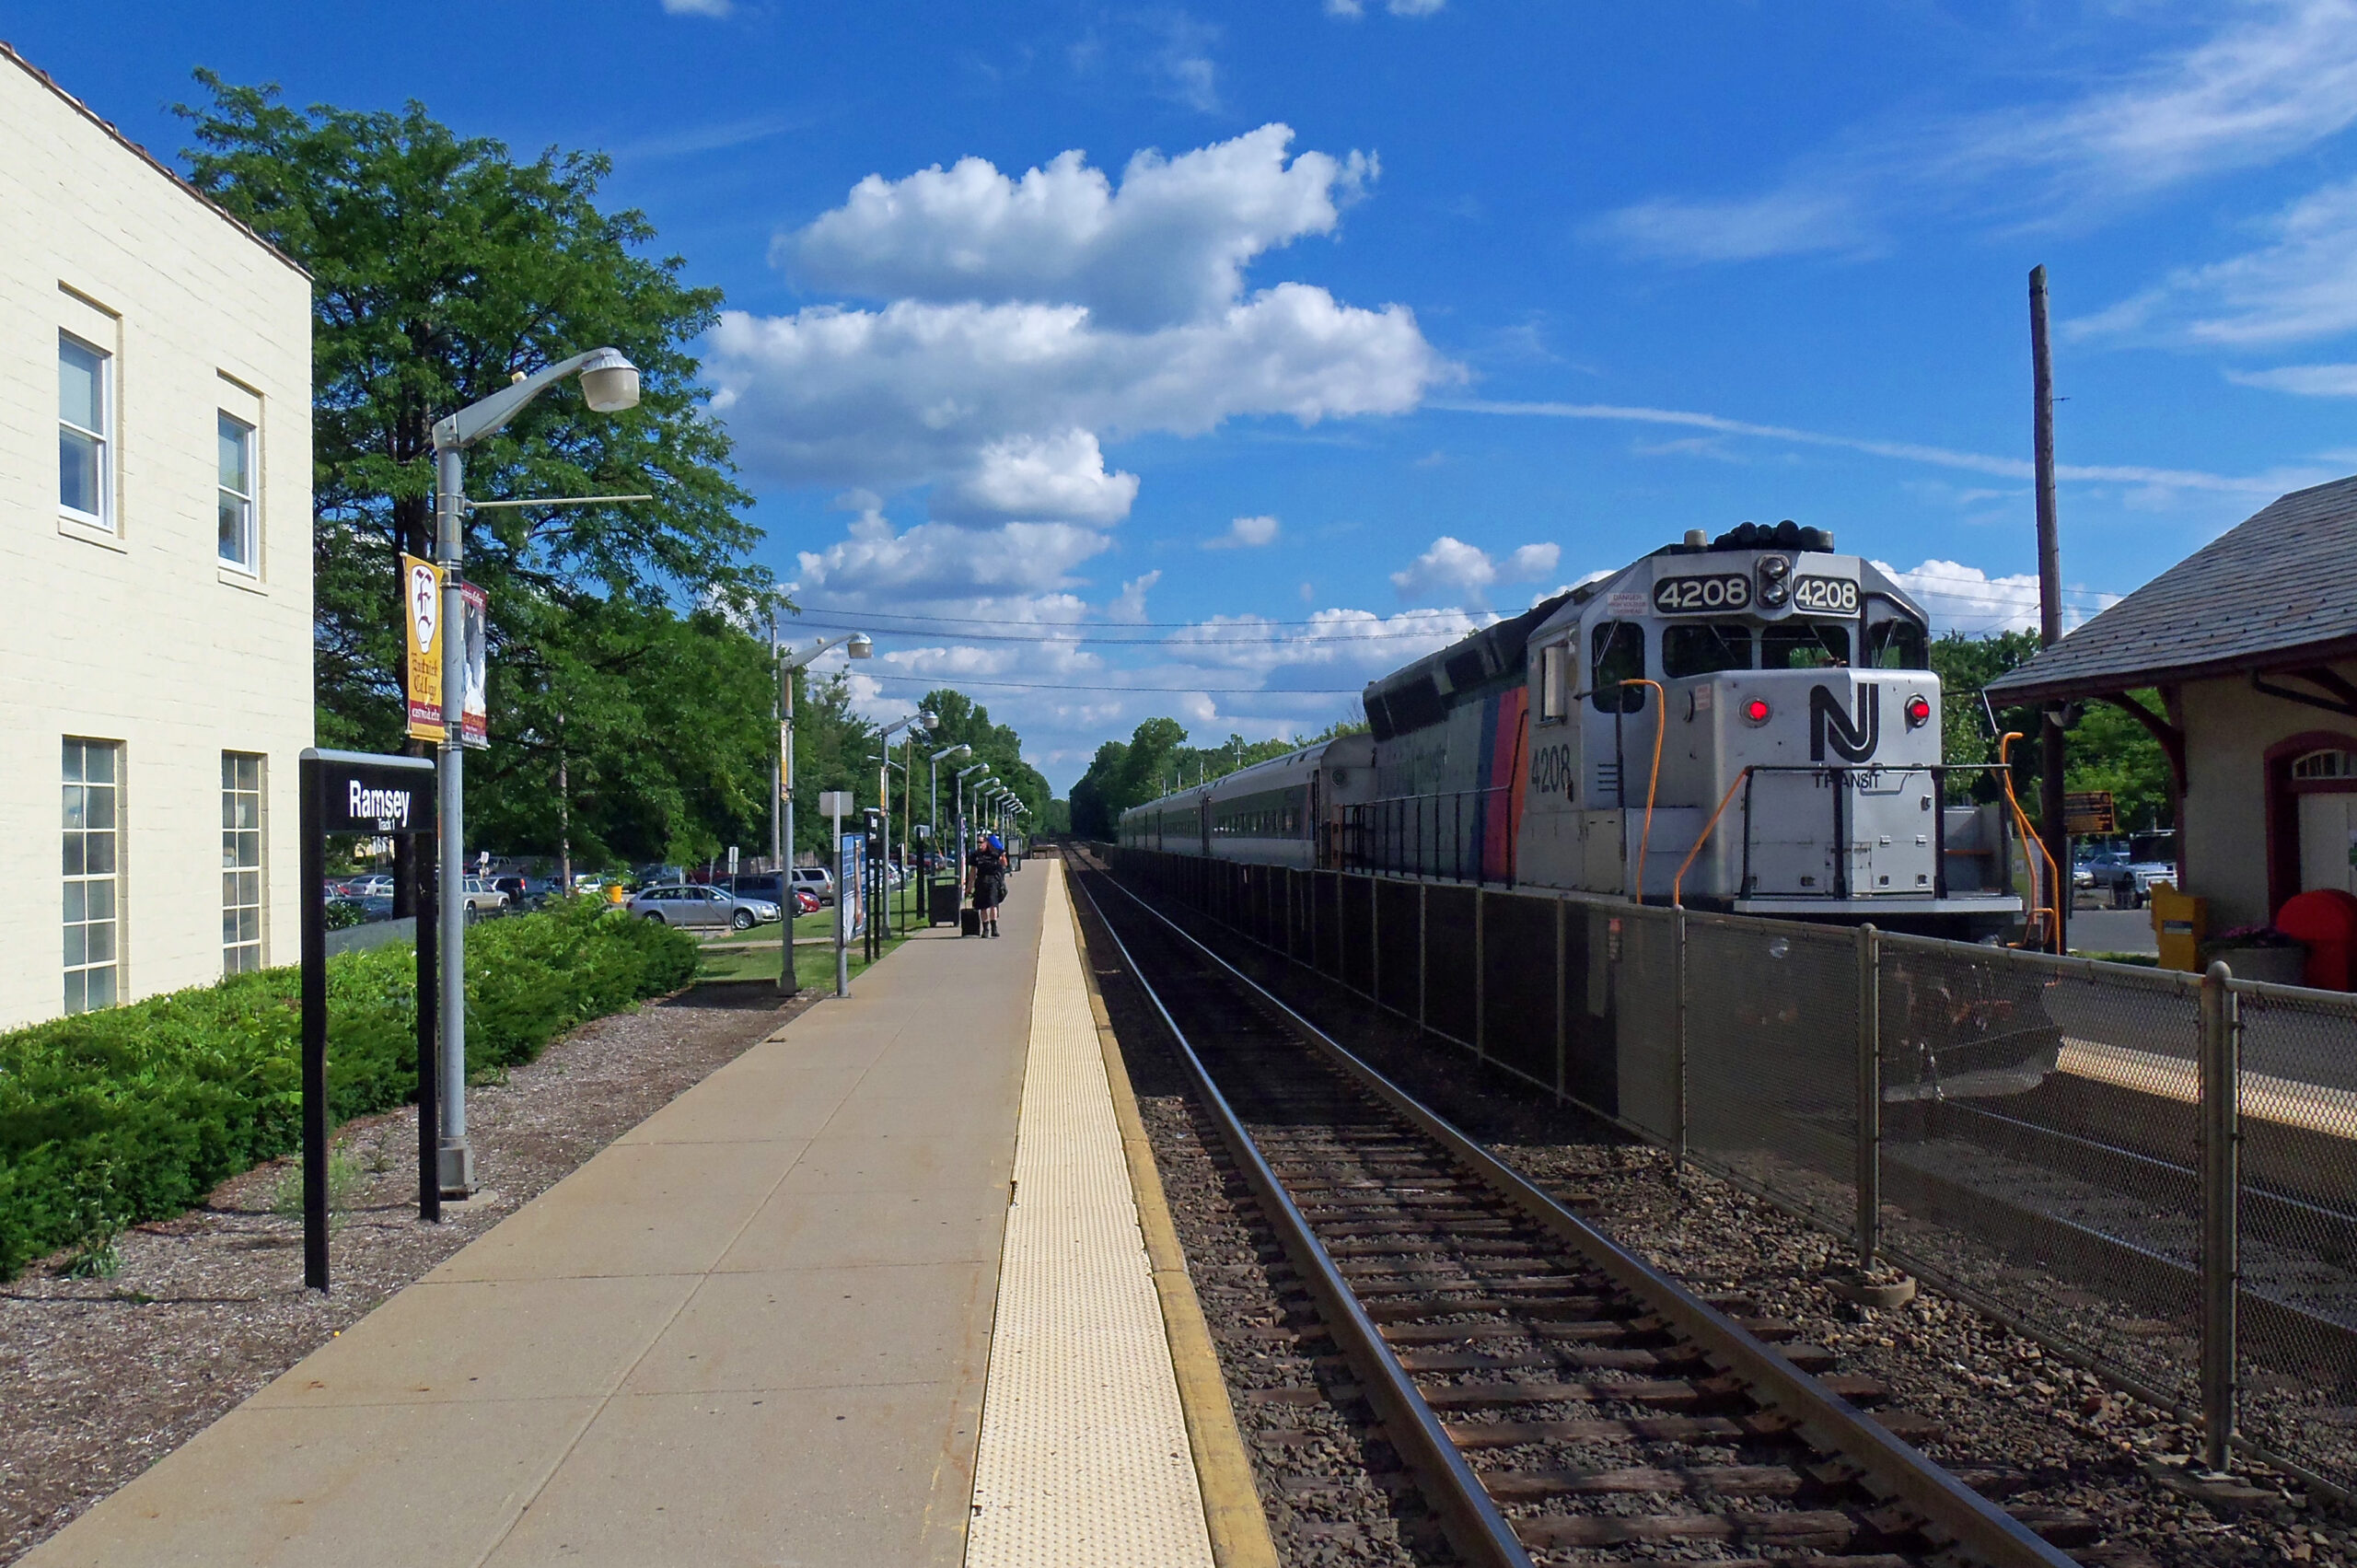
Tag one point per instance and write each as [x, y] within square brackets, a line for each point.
[983, 769]
[933, 813]
[855, 645]
[925, 717]
[610, 384]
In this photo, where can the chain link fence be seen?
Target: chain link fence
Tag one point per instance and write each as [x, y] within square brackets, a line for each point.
[2155, 1174]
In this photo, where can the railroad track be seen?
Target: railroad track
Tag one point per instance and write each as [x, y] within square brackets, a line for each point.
[1549, 1390]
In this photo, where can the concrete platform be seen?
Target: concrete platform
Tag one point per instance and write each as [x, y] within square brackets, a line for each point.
[754, 1330]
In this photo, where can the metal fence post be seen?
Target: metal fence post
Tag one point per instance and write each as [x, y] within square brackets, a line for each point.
[1423, 947]
[2221, 1184]
[1869, 1095]
[1677, 969]
[1562, 995]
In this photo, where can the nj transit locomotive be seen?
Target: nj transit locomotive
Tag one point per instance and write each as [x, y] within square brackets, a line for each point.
[1749, 722]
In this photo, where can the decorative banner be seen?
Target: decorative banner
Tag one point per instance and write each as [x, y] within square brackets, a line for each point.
[474, 710]
[422, 623]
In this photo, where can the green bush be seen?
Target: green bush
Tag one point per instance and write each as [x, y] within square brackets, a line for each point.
[134, 1113]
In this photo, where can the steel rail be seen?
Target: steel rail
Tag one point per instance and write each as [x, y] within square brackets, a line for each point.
[1475, 1527]
[1950, 1514]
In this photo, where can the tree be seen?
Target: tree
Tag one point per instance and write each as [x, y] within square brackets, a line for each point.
[960, 719]
[441, 268]
[2103, 747]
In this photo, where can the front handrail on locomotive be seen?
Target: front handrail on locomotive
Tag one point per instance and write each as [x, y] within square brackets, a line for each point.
[2045, 917]
[1652, 787]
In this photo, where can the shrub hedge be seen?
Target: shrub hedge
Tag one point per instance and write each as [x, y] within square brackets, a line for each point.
[134, 1113]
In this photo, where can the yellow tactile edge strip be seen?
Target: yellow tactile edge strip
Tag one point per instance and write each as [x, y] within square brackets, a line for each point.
[1232, 1510]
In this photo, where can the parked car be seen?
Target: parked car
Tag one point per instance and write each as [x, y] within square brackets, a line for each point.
[817, 878]
[524, 892]
[689, 904]
[365, 907]
[806, 901]
[482, 894]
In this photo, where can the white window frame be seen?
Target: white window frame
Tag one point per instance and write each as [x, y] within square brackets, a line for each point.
[239, 952]
[103, 518]
[83, 881]
[249, 500]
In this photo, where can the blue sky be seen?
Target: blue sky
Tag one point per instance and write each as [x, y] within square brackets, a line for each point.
[1275, 341]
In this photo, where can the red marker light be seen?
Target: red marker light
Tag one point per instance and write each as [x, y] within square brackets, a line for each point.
[1919, 712]
[1757, 710]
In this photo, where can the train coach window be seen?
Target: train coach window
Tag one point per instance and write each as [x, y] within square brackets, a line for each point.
[1554, 683]
[1705, 649]
[1618, 653]
[1896, 644]
[1804, 644]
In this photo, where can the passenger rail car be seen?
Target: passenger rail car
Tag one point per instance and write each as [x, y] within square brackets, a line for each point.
[1749, 722]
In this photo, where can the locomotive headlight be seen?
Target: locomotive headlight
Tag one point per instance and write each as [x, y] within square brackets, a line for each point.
[1757, 712]
[1774, 566]
[1919, 712]
[1772, 593]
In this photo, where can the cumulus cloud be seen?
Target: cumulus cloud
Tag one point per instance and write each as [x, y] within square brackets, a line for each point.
[1171, 244]
[1245, 533]
[2299, 286]
[917, 392]
[1061, 475]
[877, 565]
[1354, 9]
[1452, 571]
[698, 7]
[1128, 605]
[1966, 599]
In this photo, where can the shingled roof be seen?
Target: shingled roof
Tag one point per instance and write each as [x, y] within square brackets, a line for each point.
[2276, 589]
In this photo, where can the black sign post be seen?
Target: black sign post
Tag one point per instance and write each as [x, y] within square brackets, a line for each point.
[352, 792]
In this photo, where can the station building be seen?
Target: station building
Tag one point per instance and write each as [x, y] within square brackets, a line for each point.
[2251, 645]
[155, 683]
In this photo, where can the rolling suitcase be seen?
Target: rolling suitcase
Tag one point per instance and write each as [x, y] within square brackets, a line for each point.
[969, 923]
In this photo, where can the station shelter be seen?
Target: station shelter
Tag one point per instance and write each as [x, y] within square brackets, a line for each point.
[2241, 660]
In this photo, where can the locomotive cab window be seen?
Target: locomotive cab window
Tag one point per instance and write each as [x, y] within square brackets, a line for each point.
[1554, 683]
[1897, 643]
[1618, 653]
[1705, 649]
[1804, 644]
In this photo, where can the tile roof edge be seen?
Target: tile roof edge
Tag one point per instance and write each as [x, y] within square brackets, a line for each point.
[8, 52]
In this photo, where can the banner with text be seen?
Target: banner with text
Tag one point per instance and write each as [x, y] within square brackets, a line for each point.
[422, 630]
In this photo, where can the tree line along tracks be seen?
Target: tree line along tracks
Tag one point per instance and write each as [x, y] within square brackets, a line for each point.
[1550, 1391]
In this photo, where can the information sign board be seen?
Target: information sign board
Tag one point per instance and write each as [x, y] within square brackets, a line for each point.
[2088, 811]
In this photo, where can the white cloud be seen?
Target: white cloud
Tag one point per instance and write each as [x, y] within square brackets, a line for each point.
[2307, 380]
[2274, 77]
[1061, 475]
[1170, 245]
[877, 566]
[1965, 598]
[1130, 604]
[698, 7]
[916, 392]
[2300, 287]
[1354, 9]
[1453, 572]
[1245, 533]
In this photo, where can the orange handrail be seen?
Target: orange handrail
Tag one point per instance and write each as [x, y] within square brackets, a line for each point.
[2039, 913]
[1678, 882]
[1661, 727]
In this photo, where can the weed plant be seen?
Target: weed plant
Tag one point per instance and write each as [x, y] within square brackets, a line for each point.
[108, 1119]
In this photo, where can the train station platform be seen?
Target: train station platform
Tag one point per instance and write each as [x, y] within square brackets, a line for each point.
[875, 1292]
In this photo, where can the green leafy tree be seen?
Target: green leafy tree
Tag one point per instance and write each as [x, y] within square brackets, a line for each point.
[2103, 747]
[960, 719]
[442, 269]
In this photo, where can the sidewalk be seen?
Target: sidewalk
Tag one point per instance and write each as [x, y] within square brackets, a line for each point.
[754, 1330]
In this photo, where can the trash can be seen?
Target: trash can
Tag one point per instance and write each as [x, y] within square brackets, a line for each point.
[942, 906]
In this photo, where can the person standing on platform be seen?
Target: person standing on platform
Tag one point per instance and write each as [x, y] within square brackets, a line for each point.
[987, 869]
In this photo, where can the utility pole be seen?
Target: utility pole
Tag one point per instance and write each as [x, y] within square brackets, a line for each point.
[2051, 826]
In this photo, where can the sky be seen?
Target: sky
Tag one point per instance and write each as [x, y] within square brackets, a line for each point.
[1108, 362]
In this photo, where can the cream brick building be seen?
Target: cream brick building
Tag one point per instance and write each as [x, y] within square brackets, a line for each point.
[156, 678]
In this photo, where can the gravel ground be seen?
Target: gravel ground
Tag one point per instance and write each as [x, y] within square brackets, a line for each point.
[101, 1378]
[2003, 1400]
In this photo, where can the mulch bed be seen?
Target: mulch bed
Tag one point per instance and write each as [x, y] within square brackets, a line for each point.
[101, 1378]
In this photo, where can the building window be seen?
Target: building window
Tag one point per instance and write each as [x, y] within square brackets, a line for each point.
[85, 412]
[241, 539]
[93, 785]
[241, 862]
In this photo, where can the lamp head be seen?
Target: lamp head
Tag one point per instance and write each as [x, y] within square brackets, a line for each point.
[610, 382]
[860, 646]
[930, 720]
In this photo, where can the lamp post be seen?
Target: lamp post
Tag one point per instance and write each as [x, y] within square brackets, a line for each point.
[933, 810]
[924, 716]
[983, 769]
[855, 645]
[609, 385]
